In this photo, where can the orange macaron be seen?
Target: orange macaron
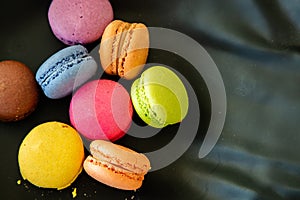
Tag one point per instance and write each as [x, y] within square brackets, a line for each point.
[124, 48]
[116, 166]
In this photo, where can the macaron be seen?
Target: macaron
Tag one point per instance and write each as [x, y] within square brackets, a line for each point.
[51, 155]
[101, 109]
[159, 97]
[116, 166]
[65, 70]
[79, 21]
[18, 91]
[124, 48]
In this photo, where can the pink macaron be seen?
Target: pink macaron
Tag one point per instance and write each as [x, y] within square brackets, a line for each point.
[101, 109]
[79, 21]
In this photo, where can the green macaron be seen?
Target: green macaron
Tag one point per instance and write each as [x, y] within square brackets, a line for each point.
[159, 97]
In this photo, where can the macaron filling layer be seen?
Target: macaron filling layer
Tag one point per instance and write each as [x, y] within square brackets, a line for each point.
[143, 104]
[121, 42]
[115, 168]
[61, 66]
[124, 48]
[103, 155]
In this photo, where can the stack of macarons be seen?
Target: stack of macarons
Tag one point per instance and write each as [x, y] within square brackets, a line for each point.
[101, 110]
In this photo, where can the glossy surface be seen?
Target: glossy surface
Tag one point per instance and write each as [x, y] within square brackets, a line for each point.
[255, 45]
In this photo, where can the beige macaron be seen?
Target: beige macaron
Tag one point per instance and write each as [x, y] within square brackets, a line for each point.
[116, 166]
[124, 48]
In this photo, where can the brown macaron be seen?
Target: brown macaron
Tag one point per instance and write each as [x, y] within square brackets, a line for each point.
[124, 48]
[18, 91]
[116, 166]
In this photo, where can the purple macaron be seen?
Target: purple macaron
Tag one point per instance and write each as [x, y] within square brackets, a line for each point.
[65, 71]
[79, 21]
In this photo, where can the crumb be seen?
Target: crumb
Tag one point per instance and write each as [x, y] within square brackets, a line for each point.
[84, 194]
[74, 192]
[132, 197]
[26, 186]
[19, 182]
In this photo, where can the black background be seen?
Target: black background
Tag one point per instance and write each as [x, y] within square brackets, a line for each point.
[255, 45]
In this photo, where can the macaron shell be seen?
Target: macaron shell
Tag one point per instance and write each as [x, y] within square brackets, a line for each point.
[51, 155]
[165, 104]
[134, 51]
[69, 80]
[121, 156]
[109, 46]
[58, 58]
[108, 175]
[142, 107]
[79, 21]
[124, 48]
[66, 70]
[101, 109]
[159, 97]
[18, 91]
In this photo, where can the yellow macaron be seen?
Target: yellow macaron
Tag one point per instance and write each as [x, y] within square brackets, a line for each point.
[51, 155]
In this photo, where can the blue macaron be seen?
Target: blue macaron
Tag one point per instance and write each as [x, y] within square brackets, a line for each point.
[65, 71]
